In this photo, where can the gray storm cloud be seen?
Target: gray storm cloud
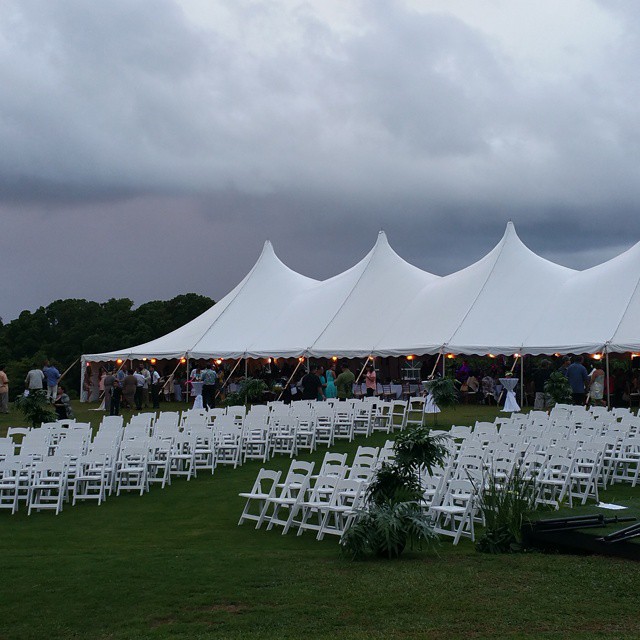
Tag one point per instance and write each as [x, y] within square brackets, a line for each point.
[186, 134]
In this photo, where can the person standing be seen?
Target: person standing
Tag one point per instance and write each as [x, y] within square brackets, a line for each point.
[109, 379]
[140, 380]
[4, 390]
[35, 379]
[209, 378]
[146, 386]
[130, 388]
[330, 391]
[370, 381]
[596, 386]
[312, 385]
[578, 379]
[344, 383]
[116, 397]
[542, 400]
[52, 376]
[155, 387]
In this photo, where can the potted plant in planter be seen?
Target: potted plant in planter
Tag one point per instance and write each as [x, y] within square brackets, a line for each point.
[558, 387]
[394, 516]
[443, 392]
[249, 391]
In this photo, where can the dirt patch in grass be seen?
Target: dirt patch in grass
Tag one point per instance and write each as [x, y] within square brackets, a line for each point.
[161, 622]
[226, 608]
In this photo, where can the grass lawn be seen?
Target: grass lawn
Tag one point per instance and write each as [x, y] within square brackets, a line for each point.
[174, 564]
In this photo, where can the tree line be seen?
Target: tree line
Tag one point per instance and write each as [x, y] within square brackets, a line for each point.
[65, 329]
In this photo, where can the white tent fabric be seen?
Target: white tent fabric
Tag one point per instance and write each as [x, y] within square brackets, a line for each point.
[510, 301]
[485, 308]
[225, 329]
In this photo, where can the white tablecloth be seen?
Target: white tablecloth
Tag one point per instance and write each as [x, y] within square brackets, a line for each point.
[510, 403]
[196, 391]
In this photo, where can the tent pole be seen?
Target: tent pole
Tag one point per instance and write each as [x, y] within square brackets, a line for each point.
[226, 382]
[290, 379]
[167, 380]
[435, 366]
[187, 389]
[68, 369]
[444, 366]
[366, 363]
[246, 367]
[82, 372]
[606, 357]
[522, 379]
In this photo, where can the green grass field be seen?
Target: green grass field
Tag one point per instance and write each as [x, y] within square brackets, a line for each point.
[174, 564]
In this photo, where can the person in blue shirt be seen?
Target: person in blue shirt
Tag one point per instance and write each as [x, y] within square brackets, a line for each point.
[578, 378]
[52, 376]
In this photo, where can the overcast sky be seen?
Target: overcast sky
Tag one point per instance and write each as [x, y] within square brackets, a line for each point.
[149, 147]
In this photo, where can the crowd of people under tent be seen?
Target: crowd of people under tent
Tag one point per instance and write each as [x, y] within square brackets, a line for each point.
[477, 380]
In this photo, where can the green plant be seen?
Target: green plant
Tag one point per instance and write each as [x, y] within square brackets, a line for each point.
[558, 387]
[386, 529]
[394, 516]
[443, 391]
[249, 391]
[416, 447]
[505, 503]
[36, 408]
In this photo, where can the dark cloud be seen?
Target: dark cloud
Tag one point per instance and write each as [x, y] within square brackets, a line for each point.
[145, 153]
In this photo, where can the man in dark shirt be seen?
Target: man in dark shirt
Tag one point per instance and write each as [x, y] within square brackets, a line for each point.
[578, 377]
[312, 386]
[542, 400]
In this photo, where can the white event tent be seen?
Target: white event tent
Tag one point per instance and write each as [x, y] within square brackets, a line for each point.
[511, 301]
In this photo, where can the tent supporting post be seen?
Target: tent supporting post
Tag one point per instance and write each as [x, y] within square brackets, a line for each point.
[606, 357]
[82, 370]
[435, 366]
[226, 382]
[444, 366]
[366, 364]
[246, 368]
[186, 398]
[161, 392]
[522, 379]
[290, 379]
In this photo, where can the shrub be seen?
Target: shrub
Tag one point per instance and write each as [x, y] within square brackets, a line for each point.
[249, 391]
[558, 387]
[505, 503]
[394, 516]
[36, 408]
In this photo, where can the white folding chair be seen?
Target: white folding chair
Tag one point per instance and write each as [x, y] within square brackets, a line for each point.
[264, 489]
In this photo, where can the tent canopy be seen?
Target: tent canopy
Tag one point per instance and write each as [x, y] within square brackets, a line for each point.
[510, 301]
